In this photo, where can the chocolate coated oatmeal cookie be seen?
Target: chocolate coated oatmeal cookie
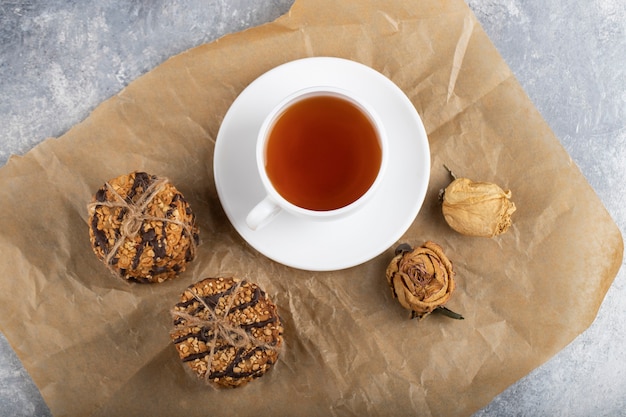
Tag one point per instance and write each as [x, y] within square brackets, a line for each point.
[227, 331]
[142, 228]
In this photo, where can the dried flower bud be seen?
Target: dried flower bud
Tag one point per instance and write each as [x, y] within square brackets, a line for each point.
[421, 279]
[477, 208]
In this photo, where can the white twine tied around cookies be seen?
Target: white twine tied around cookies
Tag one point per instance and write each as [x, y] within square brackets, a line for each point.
[220, 327]
[135, 216]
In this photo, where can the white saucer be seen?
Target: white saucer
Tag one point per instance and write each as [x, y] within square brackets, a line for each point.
[323, 245]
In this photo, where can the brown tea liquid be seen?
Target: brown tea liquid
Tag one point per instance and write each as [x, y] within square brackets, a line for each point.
[323, 153]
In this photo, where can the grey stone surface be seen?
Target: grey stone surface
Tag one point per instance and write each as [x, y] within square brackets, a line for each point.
[570, 57]
[60, 59]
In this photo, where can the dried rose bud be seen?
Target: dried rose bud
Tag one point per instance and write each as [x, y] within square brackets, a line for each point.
[421, 279]
[477, 208]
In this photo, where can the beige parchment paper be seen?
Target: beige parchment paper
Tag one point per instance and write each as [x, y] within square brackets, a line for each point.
[97, 346]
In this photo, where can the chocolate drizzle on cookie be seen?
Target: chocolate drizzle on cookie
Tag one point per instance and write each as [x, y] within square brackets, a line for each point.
[142, 228]
[227, 331]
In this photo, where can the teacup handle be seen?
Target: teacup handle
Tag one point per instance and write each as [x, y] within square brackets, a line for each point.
[262, 213]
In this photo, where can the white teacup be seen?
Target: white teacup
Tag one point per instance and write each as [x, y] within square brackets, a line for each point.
[321, 154]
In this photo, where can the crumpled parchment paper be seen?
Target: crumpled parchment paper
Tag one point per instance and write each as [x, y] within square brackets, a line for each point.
[95, 345]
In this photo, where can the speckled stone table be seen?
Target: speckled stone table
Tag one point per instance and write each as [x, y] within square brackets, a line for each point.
[60, 58]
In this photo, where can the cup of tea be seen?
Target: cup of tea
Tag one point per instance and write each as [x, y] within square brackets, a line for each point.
[321, 154]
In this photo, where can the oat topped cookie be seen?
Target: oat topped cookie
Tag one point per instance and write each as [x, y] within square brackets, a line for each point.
[142, 228]
[226, 331]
